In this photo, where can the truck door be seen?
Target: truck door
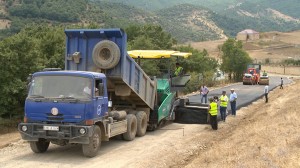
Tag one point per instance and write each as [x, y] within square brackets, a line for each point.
[100, 97]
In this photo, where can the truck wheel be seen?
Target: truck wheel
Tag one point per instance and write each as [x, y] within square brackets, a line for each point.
[106, 54]
[131, 127]
[91, 149]
[40, 146]
[141, 117]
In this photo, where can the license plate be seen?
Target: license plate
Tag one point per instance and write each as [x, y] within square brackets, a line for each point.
[51, 128]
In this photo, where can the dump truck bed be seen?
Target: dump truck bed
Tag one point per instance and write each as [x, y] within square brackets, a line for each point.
[127, 82]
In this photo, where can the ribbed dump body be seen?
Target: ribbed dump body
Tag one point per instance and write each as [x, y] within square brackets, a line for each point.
[125, 75]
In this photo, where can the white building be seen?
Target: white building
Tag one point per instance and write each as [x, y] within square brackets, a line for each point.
[247, 34]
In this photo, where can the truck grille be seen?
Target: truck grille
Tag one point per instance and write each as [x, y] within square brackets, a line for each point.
[58, 117]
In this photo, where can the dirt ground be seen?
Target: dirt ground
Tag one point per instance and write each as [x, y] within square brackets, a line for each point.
[274, 46]
[261, 135]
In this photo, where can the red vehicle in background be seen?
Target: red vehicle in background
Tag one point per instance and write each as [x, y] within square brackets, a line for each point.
[248, 79]
[254, 70]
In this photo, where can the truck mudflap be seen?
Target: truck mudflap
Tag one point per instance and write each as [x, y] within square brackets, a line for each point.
[72, 133]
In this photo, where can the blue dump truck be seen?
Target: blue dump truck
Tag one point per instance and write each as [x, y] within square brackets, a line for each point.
[101, 93]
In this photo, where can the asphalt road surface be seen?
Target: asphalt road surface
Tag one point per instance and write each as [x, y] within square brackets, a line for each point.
[245, 93]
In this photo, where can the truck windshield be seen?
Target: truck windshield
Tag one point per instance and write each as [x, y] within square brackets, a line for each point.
[65, 87]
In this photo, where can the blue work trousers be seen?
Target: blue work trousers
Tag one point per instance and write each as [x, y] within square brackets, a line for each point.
[223, 113]
[204, 97]
[233, 107]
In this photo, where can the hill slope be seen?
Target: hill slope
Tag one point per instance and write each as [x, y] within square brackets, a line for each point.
[190, 23]
[235, 15]
[186, 22]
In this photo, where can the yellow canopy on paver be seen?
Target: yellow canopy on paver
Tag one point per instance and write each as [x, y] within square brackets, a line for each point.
[157, 54]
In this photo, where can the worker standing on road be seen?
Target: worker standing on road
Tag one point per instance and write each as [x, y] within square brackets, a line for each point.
[203, 93]
[281, 84]
[266, 90]
[213, 113]
[233, 98]
[223, 105]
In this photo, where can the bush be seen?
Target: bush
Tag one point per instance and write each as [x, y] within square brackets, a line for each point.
[9, 125]
[291, 62]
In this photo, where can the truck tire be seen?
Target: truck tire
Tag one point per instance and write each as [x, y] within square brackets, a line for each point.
[131, 127]
[91, 149]
[141, 117]
[106, 54]
[40, 146]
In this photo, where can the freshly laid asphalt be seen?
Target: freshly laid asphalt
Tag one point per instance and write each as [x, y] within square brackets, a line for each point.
[246, 93]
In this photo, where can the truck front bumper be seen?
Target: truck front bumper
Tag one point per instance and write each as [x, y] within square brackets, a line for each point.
[71, 133]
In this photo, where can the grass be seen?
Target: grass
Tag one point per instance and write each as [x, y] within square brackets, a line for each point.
[8, 125]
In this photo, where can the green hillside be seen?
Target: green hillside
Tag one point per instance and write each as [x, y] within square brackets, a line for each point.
[154, 5]
[196, 20]
[76, 13]
[230, 15]
[258, 17]
[186, 22]
[288, 7]
[119, 15]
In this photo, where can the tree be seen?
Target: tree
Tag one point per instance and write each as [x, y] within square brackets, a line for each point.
[153, 36]
[149, 37]
[33, 49]
[234, 59]
[198, 64]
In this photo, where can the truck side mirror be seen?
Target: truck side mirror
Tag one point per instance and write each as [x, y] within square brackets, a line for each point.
[29, 78]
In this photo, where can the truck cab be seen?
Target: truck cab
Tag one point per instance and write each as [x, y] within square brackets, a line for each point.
[83, 92]
[63, 107]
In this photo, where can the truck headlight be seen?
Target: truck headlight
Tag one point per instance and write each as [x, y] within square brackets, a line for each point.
[24, 128]
[82, 131]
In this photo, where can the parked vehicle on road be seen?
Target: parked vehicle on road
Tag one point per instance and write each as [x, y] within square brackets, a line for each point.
[248, 79]
[254, 70]
[264, 80]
